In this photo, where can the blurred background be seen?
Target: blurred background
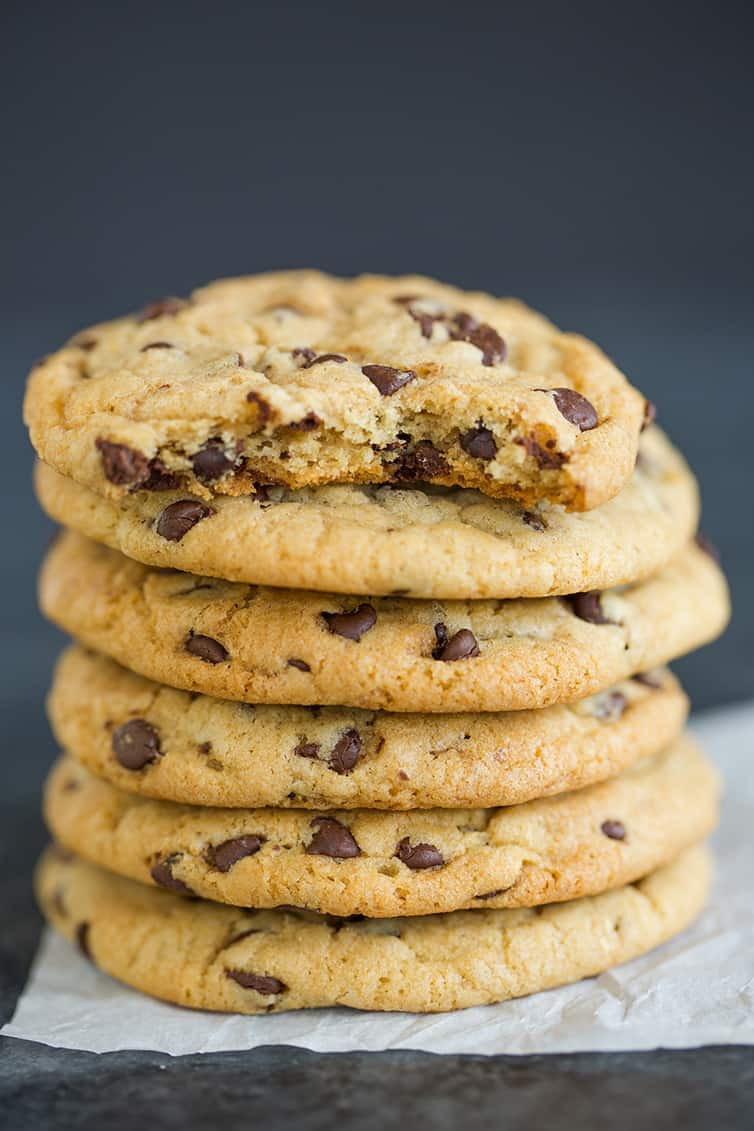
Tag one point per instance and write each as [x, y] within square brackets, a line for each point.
[595, 159]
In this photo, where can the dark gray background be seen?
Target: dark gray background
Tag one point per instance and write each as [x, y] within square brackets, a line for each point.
[595, 159]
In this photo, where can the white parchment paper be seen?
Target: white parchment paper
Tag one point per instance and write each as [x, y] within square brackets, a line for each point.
[696, 990]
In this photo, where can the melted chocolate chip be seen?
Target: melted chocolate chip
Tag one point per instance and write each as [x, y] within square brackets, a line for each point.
[206, 648]
[300, 665]
[465, 328]
[418, 856]
[479, 442]
[610, 706]
[136, 744]
[161, 307]
[534, 520]
[425, 462]
[264, 409]
[304, 355]
[333, 839]
[346, 752]
[159, 478]
[264, 984]
[337, 357]
[307, 750]
[575, 408]
[211, 462]
[123, 466]
[224, 856]
[82, 940]
[242, 935]
[616, 830]
[156, 346]
[462, 645]
[426, 321]
[424, 318]
[546, 458]
[491, 894]
[180, 517]
[307, 424]
[386, 379]
[353, 623]
[650, 414]
[162, 874]
[588, 607]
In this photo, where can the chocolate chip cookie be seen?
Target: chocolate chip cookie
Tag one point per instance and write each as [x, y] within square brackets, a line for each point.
[158, 742]
[383, 864]
[404, 539]
[209, 956]
[264, 645]
[301, 379]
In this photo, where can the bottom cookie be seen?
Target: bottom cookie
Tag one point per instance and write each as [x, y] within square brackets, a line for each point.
[209, 956]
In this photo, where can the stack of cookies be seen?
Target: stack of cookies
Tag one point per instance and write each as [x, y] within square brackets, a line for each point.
[372, 584]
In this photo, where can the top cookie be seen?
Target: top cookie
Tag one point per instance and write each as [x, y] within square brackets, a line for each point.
[300, 379]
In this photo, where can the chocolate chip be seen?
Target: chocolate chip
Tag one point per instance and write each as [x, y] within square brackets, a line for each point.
[160, 307]
[345, 753]
[122, 465]
[387, 379]
[648, 680]
[264, 409]
[162, 874]
[211, 462]
[426, 321]
[205, 747]
[304, 355]
[546, 458]
[82, 940]
[425, 462]
[307, 750]
[224, 856]
[708, 547]
[465, 328]
[441, 638]
[610, 706]
[534, 520]
[575, 408]
[616, 830]
[159, 478]
[264, 984]
[418, 856]
[242, 935]
[206, 648]
[307, 424]
[301, 665]
[650, 414]
[353, 623]
[332, 839]
[180, 517]
[491, 894]
[337, 357]
[156, 346]
[460, 646]
[136, 744]
[479, 442]
[588, 607]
